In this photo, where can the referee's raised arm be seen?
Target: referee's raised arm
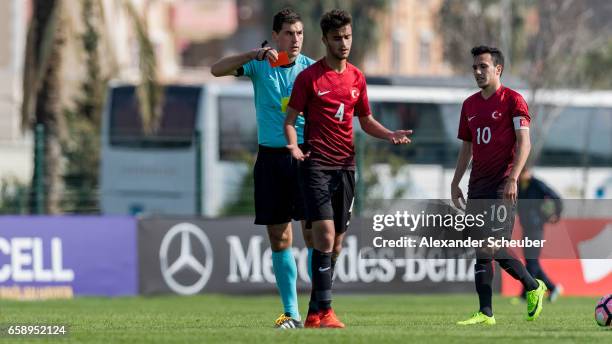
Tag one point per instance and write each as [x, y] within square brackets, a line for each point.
[230, 65]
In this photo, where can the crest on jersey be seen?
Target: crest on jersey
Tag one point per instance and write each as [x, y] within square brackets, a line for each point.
[354, 93]
[496, 115]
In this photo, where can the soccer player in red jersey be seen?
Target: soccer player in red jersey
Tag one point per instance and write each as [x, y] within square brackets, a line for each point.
[329, 93]
[494, 128]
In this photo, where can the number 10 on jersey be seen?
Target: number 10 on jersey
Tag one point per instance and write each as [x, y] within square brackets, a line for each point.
[483, 135]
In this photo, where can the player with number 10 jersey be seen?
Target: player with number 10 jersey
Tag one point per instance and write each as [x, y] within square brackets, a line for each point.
[494, 128]
[490, 124]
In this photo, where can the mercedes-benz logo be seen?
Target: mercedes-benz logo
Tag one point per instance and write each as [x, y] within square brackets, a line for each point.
[186, 260]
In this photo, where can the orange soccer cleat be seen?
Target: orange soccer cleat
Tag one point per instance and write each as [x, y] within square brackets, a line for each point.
[312, 320]
[328, 319]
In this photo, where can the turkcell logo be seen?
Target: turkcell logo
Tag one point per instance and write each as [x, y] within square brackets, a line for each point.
[22, 259]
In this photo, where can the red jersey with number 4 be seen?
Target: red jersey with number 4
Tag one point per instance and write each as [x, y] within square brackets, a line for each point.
[490, 124]
[328, 100]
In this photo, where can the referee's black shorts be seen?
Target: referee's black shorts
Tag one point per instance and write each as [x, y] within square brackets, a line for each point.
[278, 196]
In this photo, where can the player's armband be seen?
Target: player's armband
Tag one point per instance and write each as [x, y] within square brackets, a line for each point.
[520, 123]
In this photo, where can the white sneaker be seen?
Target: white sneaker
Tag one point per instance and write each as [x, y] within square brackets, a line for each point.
[556, 293]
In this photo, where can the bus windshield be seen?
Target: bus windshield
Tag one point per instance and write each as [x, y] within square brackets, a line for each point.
[176, 126]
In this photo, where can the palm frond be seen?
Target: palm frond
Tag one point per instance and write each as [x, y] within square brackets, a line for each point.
[149, 90]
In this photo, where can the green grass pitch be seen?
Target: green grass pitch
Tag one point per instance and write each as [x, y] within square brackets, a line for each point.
[370, 319]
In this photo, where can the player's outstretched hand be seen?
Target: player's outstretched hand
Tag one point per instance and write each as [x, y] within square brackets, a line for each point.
[297, 153]
[510, 190]
[400, 137]
[457, 197]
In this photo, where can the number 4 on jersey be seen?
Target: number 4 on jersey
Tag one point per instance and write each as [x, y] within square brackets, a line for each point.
[340, 113]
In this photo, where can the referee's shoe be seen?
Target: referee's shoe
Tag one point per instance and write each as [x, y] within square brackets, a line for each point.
[286, 322]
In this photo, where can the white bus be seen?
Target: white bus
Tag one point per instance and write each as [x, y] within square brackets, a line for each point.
[196, 163]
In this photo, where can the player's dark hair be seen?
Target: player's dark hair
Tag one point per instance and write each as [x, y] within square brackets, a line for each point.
[496, 54]
[334, 20]
[286, 15]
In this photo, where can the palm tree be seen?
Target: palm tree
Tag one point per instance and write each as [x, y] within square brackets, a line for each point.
[42, 87]
[149, 90]
[41, 97]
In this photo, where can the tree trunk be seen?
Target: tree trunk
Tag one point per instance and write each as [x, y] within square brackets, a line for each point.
[47, 40]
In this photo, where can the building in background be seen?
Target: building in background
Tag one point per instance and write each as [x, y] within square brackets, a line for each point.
[210, 29]
[15, 146]
[409, 43]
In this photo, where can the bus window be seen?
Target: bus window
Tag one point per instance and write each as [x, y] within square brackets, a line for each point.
[432, 141]
[177, 123]
[450, 117]
[237, 128]
[578, 136]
